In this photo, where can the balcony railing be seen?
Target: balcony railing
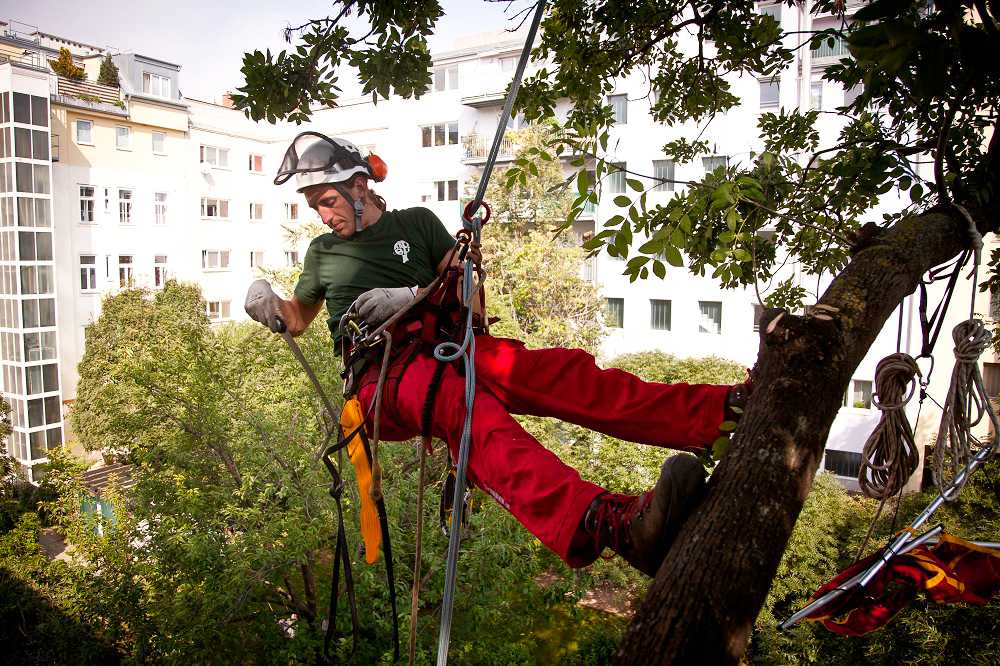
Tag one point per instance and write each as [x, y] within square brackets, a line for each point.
[477, 147]
[31, 59]
[55, 148]
[827, 52]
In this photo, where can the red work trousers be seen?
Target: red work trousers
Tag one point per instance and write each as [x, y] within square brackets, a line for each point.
[547, 496]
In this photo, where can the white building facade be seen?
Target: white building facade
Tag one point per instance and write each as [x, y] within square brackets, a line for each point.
[147, 184]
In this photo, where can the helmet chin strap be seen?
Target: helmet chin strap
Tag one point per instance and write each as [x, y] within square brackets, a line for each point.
[359, 206]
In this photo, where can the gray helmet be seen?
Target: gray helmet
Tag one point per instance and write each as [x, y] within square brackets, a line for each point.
[316, 159]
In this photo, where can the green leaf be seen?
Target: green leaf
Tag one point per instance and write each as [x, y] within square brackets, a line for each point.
[583, 182]
[659, 270]
[719, 447]
[727, 426]
[634, 184]
[673, 256]
[916, 193]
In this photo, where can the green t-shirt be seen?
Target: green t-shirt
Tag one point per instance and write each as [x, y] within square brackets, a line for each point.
[402, 249]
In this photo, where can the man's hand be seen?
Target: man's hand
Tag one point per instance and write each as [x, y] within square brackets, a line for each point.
[264, 306]
[377, 305]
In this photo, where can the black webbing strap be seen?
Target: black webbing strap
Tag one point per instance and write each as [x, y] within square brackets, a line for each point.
[340, 553]
[930, 327]
[383, 521]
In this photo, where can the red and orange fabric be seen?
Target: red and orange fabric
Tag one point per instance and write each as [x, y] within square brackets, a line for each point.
[949, 572]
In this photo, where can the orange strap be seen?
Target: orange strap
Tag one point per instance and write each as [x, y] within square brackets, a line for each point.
[352, 420]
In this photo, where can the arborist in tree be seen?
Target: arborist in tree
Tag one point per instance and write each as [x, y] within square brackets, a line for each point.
[376, 262]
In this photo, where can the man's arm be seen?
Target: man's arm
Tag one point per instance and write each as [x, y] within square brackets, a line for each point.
[298, 315]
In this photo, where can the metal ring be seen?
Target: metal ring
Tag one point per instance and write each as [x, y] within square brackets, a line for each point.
[470, 211]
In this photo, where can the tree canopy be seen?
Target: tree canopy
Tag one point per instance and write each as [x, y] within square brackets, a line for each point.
[929, 78]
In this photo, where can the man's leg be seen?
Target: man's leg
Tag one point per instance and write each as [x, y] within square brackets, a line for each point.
[547, 496]
[568, 385]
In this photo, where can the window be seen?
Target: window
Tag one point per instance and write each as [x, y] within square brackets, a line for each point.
[446, 78]
[217, 310]
[85, 132]
[664, 170]
[256, 258]
[508, 64]
[770, 93]
[816, 96]
[452, 133]
[256, 163]
[126, 275]
[124, 206]
[215, 259]
[87, 204]
[619, 105]
[714, 162]
[156, 85]
[256, 211]
[159, 143]
[159, 270]
[217, 157]
[291, 211]
[995, 304]
[711, 317]
[40, 346]
[991, 379]
[758, 312]
[447, 190]
[32, 177]
[291, 258]
[214, 208]
[42, 378]
[160, 207]
[852, 94]
[616, 178]
[659, 315]
[842, 463]
[862, 395]
[30, 144]
[123, 138]
[88, 272]
[440, 134]
[774, 11]
[614, 312]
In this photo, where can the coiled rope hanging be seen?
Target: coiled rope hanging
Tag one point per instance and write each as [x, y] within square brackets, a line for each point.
[964, 408]
[890, 455]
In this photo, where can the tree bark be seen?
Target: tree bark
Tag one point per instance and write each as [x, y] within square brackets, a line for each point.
[707, 594]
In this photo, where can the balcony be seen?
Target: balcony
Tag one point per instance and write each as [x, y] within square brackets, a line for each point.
[55, 148]
[589, 210]
[28, 59]
[826, 54]
[477, 148]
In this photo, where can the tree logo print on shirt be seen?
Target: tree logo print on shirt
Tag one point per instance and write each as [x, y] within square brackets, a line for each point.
[402, 248]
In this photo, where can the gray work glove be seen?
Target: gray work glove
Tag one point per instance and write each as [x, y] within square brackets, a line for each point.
[263, 305]
[377, 305]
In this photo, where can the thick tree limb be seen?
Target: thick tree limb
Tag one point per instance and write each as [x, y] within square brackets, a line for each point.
[712, 585]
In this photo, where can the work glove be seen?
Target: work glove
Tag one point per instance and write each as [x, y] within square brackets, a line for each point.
[263, 305]
[377, 305]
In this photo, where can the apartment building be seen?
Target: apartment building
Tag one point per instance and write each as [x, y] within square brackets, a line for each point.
[144, 184]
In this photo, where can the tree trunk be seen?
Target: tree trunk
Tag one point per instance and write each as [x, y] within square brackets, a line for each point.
[708, 592]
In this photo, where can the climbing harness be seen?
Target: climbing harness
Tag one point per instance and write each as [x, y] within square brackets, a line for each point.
[890, 451]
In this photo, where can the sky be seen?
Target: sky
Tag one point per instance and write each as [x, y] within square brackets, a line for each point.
[209, 37]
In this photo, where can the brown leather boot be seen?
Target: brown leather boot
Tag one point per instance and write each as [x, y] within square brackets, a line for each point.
[641, 528]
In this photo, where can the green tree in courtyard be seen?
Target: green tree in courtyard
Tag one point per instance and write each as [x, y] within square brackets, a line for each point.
[928, 78]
